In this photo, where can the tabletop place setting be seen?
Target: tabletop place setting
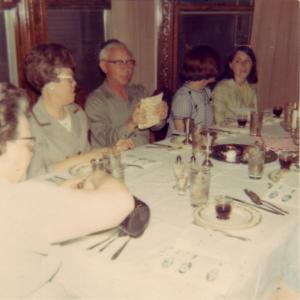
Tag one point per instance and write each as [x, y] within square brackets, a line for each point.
[215, 195]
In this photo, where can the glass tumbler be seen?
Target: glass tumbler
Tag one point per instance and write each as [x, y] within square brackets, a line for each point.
[256, 162]
[200, 185]
[256, 122]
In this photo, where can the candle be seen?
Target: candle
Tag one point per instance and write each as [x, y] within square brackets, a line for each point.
[294, 118]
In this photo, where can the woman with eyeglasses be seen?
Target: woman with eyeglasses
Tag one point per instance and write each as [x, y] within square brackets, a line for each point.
[59, 125]
[35, 214]
[193, 99]
[113, 108]
[237, 89]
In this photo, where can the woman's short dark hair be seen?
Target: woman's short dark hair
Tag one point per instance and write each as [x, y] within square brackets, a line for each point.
[42, 62]
[13, 102]
[201, 62]
[252, 77]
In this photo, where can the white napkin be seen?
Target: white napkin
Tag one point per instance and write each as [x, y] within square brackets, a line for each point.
[142, 162]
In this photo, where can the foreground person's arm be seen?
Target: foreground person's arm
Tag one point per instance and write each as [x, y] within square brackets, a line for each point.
[98, 203]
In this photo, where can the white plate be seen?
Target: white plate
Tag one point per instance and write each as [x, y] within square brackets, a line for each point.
[241, 217]
[80, 170]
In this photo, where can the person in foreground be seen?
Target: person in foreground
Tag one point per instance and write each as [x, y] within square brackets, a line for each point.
[35, 214]
[237, 89]
[113, 109]
[193, 99]
[289, 287]
[59, 125]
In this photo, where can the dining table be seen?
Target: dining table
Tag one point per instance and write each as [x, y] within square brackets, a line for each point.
[177, 257]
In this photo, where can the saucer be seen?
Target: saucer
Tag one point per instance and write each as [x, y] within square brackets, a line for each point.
[241, 217]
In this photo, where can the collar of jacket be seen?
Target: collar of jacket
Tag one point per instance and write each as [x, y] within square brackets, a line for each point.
[41, 115]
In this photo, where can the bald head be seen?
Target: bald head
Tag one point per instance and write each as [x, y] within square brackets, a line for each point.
[112, 44]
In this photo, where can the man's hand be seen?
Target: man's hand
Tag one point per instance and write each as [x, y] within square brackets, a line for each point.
[123, 145]
[162, 110]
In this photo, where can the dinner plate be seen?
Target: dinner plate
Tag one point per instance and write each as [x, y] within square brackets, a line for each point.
[233, 153]
[80, 170]
[241, 217]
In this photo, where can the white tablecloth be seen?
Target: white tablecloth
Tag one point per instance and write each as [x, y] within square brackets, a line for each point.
[175, 259]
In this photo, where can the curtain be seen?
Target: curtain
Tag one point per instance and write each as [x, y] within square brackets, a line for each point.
[275, 40]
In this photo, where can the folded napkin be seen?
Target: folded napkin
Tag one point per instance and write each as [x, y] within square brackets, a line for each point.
[142, 162]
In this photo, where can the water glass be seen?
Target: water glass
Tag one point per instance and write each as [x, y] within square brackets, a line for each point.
[200, 185]
[198, 137]
[256, 121]
[115, 166]
[256, 162]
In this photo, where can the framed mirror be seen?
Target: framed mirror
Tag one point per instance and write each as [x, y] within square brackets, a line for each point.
[187, 23]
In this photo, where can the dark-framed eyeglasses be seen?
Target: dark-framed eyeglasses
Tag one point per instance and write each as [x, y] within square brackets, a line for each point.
[121, 63]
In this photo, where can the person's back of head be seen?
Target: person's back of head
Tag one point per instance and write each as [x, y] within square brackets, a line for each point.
[13, 102]
[201, 62]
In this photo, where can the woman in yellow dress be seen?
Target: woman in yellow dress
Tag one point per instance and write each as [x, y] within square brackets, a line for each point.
[237, 89]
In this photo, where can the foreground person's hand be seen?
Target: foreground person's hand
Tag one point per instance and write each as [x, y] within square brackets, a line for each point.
[92, 182]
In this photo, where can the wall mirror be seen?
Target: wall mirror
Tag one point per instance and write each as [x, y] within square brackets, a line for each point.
[186, 23]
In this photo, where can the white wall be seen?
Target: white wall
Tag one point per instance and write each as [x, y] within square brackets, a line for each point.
[134, 23]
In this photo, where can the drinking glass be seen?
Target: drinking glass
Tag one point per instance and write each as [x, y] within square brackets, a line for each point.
[285, 159]
[223, 207]
[256, 161]
[200, 185]
[116, 167]
[277, 111]
[198, 137]
[256, 120]
[182, 174]
[242, 119]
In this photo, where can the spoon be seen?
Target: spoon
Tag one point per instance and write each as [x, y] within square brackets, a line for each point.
[257, 200]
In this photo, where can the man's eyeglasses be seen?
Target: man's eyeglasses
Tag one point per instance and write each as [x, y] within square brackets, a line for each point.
[121, 63]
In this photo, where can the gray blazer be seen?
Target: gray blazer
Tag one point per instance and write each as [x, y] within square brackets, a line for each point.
[54, 142]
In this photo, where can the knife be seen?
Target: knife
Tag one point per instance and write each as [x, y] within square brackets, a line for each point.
[252, 205]
[257, 200]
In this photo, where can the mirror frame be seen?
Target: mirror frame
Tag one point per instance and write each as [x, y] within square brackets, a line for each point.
[167, 51]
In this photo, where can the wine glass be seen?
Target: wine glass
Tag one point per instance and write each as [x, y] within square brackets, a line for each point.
[277, 111]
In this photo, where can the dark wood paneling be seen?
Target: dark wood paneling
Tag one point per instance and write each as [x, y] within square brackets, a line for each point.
[98, 4]
[30, 31]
